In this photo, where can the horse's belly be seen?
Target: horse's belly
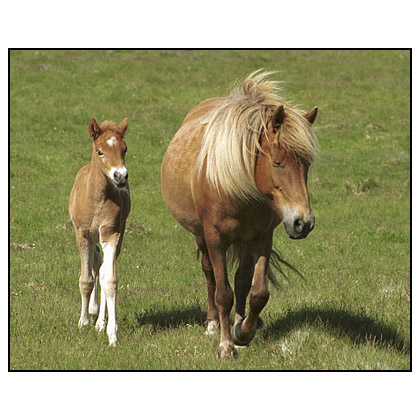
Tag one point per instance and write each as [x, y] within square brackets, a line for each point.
[176, 179]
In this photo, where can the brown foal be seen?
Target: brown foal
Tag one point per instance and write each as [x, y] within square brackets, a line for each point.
[99, 206]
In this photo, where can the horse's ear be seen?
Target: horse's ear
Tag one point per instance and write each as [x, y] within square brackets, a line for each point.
[311, 115]
[94, 129]
[278, 118]
[123, 126]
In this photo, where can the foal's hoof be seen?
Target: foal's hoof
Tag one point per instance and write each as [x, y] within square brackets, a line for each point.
[227, 351]
[84, 322]
[112, 340]
[100, 325]
[239, 338]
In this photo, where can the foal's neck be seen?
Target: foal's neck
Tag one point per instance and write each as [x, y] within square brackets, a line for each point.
[97, 180]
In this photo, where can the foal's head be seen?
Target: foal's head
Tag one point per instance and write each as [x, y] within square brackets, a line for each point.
[109, 149]
[288, 150]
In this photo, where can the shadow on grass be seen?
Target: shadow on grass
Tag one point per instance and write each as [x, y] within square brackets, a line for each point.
[360, 329]
[158, 319]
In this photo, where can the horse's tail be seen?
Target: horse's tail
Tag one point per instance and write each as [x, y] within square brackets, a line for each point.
[276, 261]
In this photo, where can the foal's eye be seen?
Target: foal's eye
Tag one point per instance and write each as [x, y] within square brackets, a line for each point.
[125, 150]
[100, 153]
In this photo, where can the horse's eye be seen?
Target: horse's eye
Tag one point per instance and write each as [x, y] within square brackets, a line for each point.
[100, 153]
[278, 164]
[125, 150]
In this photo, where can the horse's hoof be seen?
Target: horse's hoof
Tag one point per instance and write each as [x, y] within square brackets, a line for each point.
[212, 327]
[227, 351]
[238, 338]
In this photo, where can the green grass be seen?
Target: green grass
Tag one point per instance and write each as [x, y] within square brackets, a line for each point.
[353, 309]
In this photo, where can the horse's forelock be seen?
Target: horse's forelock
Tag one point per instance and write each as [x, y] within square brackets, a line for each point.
[232, 137]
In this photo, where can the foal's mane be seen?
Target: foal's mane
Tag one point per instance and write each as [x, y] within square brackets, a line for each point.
[108, 125]
[231, 139]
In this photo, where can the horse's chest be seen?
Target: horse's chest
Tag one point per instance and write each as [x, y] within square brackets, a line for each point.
[245, 224]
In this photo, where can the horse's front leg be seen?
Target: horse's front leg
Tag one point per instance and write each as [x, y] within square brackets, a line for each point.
[244, 330]
[224, 294]
[108, 280]
[243, 280]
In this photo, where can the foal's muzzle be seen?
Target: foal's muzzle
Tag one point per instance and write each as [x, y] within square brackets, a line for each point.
[120, 178]
[299, 227]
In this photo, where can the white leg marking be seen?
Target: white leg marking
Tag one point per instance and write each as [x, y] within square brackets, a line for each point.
[109, 287]
[101, 321]
[94, 300]
[94, 297]
[212, 327]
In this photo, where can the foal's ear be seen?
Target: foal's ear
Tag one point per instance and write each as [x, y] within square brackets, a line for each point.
[123, 126]
[94, 129]
[278, 118]
[311, 115]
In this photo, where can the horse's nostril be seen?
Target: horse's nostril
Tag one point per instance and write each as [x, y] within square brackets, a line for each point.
[298, 225]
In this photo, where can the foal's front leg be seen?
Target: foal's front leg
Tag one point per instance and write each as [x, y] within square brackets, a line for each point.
[86, 280]
[108, 280]
[94, 298]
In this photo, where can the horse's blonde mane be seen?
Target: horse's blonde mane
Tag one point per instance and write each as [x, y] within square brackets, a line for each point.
[231, 139]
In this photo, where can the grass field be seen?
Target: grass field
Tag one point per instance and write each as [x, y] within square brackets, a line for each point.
[352, 312]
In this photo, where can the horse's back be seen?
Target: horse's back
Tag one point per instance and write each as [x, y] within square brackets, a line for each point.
[179, 166]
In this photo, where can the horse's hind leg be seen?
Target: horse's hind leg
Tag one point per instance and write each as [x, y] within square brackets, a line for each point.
[94, 297]
[86, 281]
[212, 315]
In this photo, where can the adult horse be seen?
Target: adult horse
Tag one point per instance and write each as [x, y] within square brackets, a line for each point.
[99, 205]
[235, 169]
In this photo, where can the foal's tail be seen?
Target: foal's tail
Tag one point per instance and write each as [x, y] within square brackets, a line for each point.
[276, 261]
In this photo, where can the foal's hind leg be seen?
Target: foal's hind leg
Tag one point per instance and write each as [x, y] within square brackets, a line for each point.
[212, 315]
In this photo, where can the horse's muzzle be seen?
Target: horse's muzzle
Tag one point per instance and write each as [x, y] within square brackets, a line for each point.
[300, 227]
